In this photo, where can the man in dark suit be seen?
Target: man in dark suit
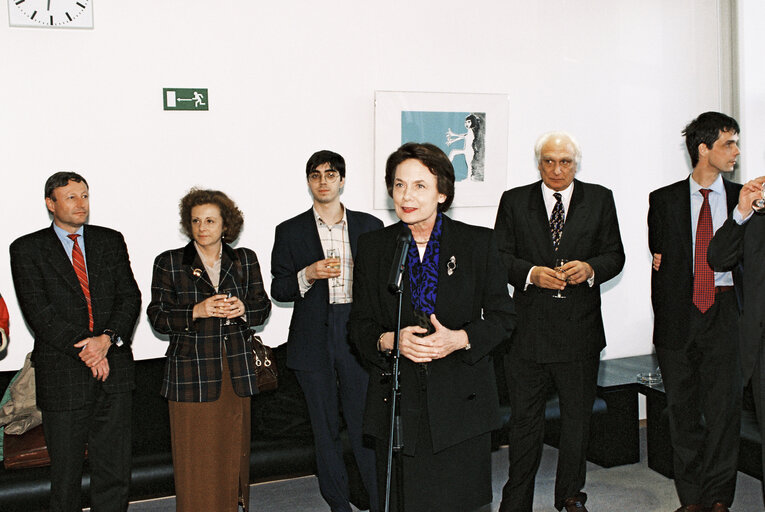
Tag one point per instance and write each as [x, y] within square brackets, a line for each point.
[739, 245]
[560, 329]
[77, 293]
[328, 371]
[695, 318]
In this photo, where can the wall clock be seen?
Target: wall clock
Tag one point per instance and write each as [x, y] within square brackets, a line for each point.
[51, 13]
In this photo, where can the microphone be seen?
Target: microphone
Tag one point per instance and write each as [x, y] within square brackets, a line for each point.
[399, 260]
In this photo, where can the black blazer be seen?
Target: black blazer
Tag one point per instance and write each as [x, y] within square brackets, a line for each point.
[193, 371]
[297, 245]
[669, 234]
[461, 391]
[54, 306]
[558, 330]
[735, 248]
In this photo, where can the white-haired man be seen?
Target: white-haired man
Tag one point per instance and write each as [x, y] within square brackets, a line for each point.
[560, 334]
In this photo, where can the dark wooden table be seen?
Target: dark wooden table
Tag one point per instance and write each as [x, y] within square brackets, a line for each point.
[619, 387]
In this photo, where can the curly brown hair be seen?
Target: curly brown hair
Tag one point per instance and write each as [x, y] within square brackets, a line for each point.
[233, 219]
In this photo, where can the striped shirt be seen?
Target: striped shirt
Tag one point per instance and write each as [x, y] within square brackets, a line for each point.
[334, 237]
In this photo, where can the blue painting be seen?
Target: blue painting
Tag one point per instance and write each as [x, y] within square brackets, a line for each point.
[461, 135]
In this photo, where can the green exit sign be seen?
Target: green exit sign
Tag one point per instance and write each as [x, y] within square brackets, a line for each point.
[185, 99]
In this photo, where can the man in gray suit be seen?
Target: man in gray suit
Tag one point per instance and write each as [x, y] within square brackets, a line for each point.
[77, 293]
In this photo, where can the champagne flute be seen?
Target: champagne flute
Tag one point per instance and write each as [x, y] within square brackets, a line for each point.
[559, 268]
[335, 255]
[758, 205]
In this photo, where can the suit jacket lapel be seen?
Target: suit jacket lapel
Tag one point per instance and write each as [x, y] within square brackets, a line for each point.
[60, 262]
[353, 231]
[311, 236]
[195, 269]
[731, 195]
[575, 216]
[682, 200]
[229, 275]
[539, 221]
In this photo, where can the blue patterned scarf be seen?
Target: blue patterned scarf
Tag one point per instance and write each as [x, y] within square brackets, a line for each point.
[423, 276]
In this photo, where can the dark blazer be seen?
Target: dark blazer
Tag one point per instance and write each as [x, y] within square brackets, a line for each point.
[193, 369]
[734, 247]
[669, 234]
[54, 306]
[555, 330]
[297, 245]
[461, 391]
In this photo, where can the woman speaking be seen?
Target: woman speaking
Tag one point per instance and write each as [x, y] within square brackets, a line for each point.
[456, 309]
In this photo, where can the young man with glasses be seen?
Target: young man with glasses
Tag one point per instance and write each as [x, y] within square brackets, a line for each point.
[318, 350]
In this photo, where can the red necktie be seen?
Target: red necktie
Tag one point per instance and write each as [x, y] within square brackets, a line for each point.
[703, 276]
[78, 261]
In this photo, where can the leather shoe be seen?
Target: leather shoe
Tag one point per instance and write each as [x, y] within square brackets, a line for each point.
[690, 508]
[719, 507]
[576, 503]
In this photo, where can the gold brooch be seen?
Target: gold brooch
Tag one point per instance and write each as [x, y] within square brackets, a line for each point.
[197, 272]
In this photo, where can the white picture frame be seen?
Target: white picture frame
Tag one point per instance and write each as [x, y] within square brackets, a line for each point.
[468, 127]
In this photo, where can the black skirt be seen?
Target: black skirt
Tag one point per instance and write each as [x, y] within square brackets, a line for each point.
[456, 479]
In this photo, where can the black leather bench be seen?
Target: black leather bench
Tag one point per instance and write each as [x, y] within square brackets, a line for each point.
[282, 444]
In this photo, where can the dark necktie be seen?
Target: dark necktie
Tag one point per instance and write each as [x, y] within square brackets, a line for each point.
[703, 276]
[556, 221]
[78, 262]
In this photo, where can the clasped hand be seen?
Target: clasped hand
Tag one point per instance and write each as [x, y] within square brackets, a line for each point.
[573, 272]
[423, 349]
[93, 354]
[219, 306]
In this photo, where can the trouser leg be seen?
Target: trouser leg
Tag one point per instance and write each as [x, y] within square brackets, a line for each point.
[320, 390]
[528, 386]
[109, 452]
[66, 434]
[576, 383]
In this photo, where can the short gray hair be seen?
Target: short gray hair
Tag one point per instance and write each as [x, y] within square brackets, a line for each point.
[545, 138]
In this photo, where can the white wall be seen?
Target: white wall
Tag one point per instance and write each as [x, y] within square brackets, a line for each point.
[751, 42]
[288, 78]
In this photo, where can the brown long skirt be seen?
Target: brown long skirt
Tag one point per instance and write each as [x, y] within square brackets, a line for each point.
[211, 451]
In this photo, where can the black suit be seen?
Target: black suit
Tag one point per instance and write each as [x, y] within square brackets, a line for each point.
[742, 247]
[697, 353]
[558, 341]
[95, 412]
[453, 399]
[318, 351]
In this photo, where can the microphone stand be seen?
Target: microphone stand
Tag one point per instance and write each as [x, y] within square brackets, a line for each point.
[395, 441]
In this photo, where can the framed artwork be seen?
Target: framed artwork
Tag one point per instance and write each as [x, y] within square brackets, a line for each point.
[472, 130]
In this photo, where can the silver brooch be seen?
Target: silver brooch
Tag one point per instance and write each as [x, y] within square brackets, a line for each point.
[451, 265]
[197, 272]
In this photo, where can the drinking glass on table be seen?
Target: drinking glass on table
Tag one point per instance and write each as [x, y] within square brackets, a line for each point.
[559, 268]
[334, 254]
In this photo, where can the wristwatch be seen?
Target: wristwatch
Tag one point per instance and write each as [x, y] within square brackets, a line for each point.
[114, 338]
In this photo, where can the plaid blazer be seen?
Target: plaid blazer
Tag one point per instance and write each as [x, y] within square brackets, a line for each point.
[54, 307]
[194, 365]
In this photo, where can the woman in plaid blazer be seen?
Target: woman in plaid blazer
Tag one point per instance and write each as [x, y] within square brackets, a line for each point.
[206, 297]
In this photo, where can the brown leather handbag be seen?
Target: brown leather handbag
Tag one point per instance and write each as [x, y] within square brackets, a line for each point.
[266, 374]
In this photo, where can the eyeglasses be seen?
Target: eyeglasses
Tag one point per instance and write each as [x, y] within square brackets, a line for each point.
[549, 164]
[331, 176]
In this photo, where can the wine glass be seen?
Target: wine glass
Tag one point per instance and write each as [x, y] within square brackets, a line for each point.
[334, 255]
[758, 205]
[559, 262]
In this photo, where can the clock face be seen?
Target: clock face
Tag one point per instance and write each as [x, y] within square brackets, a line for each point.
[51, 13]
